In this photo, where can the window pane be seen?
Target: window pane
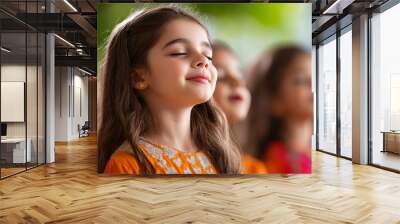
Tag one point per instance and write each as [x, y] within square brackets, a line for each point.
[327, 97]
[346, 94]
[386, 89]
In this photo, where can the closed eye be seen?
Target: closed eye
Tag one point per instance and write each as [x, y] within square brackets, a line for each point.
[178, 54]
[183, 53]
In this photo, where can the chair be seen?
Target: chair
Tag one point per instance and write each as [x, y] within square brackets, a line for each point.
[84, 130]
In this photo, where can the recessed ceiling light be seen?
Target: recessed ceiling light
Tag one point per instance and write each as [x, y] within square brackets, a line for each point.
[5, 50]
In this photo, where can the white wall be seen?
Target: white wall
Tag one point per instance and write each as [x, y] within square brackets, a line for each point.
[13, 73]
[61, 103]
[71, 93]
[80, 102]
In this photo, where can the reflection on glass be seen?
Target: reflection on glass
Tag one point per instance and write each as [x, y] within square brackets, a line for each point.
[22, 90]
[41, 99]
[386, 89]
[14, 146]
[31, 101]
[327, 97]
[346, 94]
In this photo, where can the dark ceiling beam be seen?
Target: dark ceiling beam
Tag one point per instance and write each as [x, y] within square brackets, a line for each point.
[15, 18]
[48, 22]
[88, 51]
[332, 29]
[86, 26]
[337, 7]
[52, 22]
[76, 61]
[320, 23]
[79, 19]
[91, 5]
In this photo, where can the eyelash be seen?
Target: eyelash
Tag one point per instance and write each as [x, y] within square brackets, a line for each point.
[180, 54]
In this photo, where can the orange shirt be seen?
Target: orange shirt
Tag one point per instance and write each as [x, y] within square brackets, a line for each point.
[164, 159]
[252, 166]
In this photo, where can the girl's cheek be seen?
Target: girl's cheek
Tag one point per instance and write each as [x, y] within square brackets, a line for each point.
[248, 99]
[218, 92]
[213, 72]
[214, 82]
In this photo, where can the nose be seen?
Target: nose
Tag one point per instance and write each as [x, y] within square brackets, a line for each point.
[236, 82]
[200, 61]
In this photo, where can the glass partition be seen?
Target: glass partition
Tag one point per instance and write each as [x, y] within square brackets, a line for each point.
[327, 96]
[385, 89]
[22, 90]
[346, 93]
[13, 103]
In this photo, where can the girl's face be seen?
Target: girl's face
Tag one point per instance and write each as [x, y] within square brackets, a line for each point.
[295, 97]
[231, 94]
[179, 70]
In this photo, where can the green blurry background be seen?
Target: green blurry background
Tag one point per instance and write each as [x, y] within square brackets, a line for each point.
[249, 28]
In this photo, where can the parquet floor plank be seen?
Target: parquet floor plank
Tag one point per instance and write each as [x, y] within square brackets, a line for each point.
[70, 191]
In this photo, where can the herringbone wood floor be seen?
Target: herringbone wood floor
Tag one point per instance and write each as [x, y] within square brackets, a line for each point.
[70, 191]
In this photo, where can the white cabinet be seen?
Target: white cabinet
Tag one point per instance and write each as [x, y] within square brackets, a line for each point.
[16, 148]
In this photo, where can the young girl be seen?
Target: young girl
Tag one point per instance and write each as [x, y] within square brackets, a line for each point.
[157, 117]
[286, 112]
[233, 98]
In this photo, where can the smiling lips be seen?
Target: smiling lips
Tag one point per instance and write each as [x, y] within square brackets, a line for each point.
[199, 78]
[235, 98]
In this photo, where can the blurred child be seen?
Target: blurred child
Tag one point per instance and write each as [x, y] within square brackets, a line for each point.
[157, 117]
[232, 96]
[285, 110]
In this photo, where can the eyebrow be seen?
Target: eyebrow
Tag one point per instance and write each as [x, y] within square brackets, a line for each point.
[185, 41]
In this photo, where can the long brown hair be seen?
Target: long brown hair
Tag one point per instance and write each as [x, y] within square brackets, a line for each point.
[265, 127]
[124, 113]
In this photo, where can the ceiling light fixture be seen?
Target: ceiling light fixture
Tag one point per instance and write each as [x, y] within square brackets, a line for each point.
[5, 50]
[65, 41]
[326, 11]
[84, 71]
[70, 5]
